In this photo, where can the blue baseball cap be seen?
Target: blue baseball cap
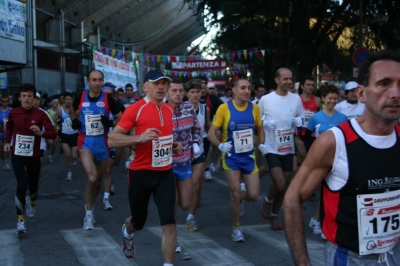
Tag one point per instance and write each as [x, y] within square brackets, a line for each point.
[155, 74]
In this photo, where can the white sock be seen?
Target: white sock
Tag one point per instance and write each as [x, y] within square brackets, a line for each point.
[190, 217]
[168, 264]
[89, 212]
[128, 236]
[242, 187]
[267, 200]
[106, 195]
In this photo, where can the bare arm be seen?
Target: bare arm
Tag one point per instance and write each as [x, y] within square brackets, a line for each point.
[73, 113]
[118, 137]
[117, 117]
[212, 135]
[305, 183]
[260, 134]
[207, 123]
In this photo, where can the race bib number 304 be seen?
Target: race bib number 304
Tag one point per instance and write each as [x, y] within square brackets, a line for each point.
[162, 151]
[378, 222]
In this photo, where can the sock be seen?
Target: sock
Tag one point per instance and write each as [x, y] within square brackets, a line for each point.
[106, 195]
[168, 264]
[89, 212]
[21, 218]
[242, 187]
[267, 200]
[190, 217]
[128, 236]
[236, 226]
[273, 214]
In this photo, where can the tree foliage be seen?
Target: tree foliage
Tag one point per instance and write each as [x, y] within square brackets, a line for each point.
[304, 32]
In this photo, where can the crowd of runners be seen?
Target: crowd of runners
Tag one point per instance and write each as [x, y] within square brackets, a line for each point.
[176, 134]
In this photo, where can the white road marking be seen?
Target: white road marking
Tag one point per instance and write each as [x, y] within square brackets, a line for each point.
[277, 240]
[203, 250]
[95, 247]
[11, 254]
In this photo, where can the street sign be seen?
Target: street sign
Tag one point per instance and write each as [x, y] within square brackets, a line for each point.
[359, 55]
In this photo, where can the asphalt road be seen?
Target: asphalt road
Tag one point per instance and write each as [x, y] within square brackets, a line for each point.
[55, 236]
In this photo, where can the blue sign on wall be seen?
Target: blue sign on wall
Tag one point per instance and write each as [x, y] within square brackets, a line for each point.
[3, 80]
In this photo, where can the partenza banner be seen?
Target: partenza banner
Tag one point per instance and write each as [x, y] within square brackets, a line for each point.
[12, 20]
[200, 65]
[116, 71]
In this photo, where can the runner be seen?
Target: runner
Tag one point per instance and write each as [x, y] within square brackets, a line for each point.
[4, 113]
[351, 107]
[357, 163]
[239, 118]
[94, 108]
[68, 135]
[24, 128]
[52, 144]
[281, 112]
[151, 172]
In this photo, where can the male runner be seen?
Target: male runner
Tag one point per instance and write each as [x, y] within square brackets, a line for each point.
[357, 163]
[151, 171]
[281, 111]
[239, 119]
[94, 108]
[23, 131]
[351, 107]
[4, 113]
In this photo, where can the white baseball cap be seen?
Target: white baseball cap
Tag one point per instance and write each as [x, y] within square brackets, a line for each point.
[351, 85]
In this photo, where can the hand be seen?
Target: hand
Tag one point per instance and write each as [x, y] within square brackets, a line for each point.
[76, 124]
[149, 134]
[225, 147]
[177, 147]
[298, 122]
[106, 121]
[262, 148]
[35, 129]
[7, 147]
[269, 124]
[196, 150]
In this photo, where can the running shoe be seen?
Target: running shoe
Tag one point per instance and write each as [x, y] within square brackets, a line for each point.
[323, 236]
[237, 235]
[266, 208]
[73, 162]
[178, 248]
[128, 245]
[8, 166]
[21, 228]
[212, 167]
[191, 225]
[69, 177]
[29, 210]
[50, 159]
[242, 208]
[112, 190]
[316, 226]
[275, 224]
[207, 175]
[88, 222]
[106, 204]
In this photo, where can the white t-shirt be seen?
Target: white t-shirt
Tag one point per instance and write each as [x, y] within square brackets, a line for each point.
[350, 110]
[339, 174]
[225, 99]
[281, 109]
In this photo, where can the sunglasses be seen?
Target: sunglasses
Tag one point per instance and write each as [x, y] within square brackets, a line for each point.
[211, 88]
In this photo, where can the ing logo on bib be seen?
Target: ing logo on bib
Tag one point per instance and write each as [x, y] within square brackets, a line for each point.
[100, 104]
[85, 104]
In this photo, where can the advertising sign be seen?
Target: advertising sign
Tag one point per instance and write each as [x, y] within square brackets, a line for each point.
[200, 65]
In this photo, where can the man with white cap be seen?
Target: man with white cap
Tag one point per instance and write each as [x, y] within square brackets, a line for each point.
[212, 89]
[351, 107]
[150, 124]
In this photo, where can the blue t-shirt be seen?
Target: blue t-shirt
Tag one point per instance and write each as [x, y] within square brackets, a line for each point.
[321, 122]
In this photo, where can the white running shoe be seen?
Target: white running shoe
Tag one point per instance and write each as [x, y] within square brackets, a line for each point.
[69, 177]
[323, 236]
[106, 204]
[237, 235]
[212, 167]
[29, 210]
[178, 248]
[88, 222]
[128, 245]
[207, 175]
[21, 228]
[316, 226]
[73, 162]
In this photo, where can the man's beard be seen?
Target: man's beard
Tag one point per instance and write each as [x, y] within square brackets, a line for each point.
[352, 101]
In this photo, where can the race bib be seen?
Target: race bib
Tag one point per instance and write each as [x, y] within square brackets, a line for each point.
[67, 124]
[24, 145]
[162, 151]
[378, 218]
[284, 140]
[243, 140]
[93, 125]
[307, 115]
